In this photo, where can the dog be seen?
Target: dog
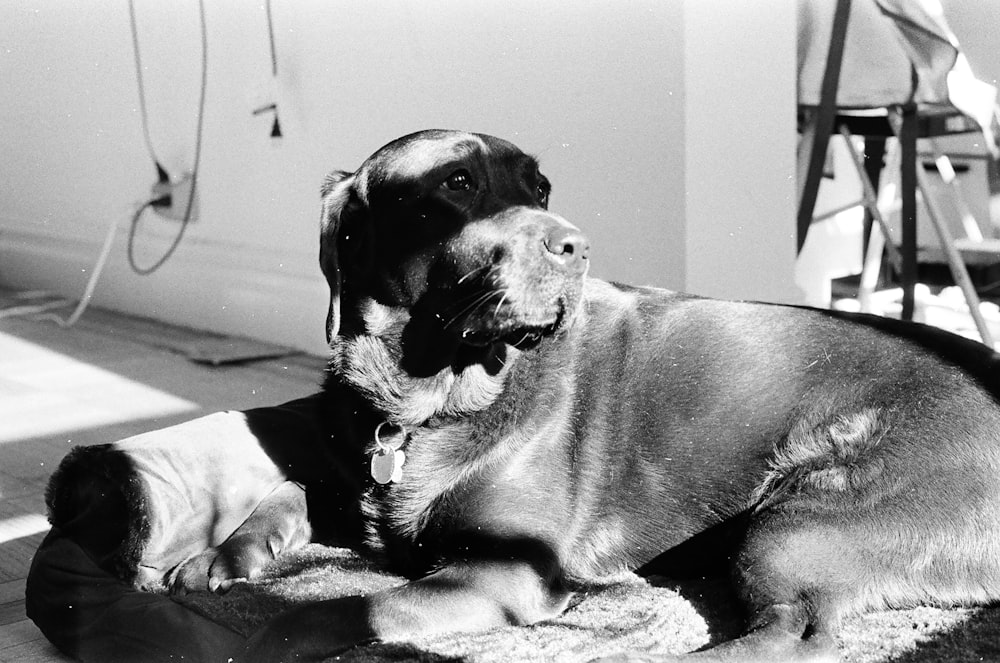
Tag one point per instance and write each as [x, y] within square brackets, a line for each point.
[508, 430]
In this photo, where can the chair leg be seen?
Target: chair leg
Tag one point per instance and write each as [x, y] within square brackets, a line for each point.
[871, 202]
[947, 173]
[816, 136]
[955, 262]
[906, 133]
[870, 269]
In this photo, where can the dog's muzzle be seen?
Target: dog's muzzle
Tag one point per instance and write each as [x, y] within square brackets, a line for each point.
[532, 288]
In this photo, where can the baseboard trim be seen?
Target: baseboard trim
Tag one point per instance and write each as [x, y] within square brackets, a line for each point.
[271, 294]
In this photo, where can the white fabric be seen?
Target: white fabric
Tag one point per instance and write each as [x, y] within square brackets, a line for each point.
[884, 38]
[197, 494]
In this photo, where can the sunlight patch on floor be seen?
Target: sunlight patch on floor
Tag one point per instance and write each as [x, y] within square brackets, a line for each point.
[45, 393]
[20, 527]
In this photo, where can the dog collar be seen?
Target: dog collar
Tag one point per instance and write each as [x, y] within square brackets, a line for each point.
[388, 456]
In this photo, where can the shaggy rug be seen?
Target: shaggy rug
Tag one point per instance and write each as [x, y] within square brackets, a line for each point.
[634, 614]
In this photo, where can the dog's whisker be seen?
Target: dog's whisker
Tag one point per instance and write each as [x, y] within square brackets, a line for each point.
[473, 272]
[496, 311]
[486, 299]
[479, 301]
[464, 302]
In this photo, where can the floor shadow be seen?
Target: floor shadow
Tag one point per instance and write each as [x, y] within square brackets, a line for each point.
[977, 639]
[396, 652]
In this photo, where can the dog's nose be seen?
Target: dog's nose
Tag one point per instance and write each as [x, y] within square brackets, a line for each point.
[567, 246]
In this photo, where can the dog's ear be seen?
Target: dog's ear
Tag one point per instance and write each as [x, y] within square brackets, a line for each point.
[337, 191]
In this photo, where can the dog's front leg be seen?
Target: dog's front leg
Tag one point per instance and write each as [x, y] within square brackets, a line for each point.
[471, 596]
[279, 524]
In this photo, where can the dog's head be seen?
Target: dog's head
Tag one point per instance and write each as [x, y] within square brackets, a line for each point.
[450, 231]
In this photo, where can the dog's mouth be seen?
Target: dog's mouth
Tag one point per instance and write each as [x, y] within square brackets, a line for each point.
[525, 339]
[521, 332]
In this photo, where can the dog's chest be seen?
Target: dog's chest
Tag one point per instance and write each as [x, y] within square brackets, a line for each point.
[457, 482]
[398, 510]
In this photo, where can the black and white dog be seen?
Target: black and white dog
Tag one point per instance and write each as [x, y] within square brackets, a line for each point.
[505, 430]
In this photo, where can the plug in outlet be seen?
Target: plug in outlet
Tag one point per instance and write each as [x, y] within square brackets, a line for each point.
[170, 199]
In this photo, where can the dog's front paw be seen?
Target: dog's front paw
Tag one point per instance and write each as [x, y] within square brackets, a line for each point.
[217, 568]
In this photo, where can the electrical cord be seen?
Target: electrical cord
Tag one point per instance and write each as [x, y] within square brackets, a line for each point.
[143, 113]
[133, 226]
[41, 311]
[30, 309]
[270, 37]
[272, 107]
[88, 292]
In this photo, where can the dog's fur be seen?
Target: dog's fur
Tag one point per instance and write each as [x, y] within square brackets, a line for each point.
[559, 429]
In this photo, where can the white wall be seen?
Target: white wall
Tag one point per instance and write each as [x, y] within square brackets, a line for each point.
[740, 135]
[665, 125]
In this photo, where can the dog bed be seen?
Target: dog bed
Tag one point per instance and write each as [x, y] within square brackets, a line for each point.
[634, 614]
[85, 589]
[651, 615]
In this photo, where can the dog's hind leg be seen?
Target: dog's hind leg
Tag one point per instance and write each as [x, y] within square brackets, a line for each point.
[806, 563]
[796, 577]
[789, 586]
[278, 524]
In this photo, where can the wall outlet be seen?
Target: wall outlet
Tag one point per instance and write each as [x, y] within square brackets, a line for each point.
[172, 198]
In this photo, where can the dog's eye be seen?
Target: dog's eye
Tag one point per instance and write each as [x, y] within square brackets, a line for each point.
[460, 180]
[543, 195]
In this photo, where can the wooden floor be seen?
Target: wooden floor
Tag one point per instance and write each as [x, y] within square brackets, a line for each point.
[104, 379]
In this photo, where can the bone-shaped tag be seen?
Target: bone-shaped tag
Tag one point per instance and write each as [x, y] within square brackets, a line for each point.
[387, 465]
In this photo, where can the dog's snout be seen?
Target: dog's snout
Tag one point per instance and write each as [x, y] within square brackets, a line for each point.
[568, 246]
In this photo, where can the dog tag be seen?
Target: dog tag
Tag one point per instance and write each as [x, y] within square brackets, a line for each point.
[397, 472]
[388, 459]
[387, 465]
